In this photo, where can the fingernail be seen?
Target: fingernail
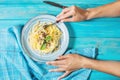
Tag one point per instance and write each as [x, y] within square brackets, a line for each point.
[57, 19]
[61, 21]
[58, 57]
[57, 16]
[50, 70]
[47, 62]
[59, 79]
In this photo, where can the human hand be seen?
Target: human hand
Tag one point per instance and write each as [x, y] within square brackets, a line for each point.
[72, 14]
[68, 63]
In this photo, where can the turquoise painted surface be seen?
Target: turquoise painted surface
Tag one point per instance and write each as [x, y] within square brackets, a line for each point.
[103, 33]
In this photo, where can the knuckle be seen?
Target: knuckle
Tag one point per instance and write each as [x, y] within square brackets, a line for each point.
[54, 63]
[73, 19]
[64, 62]
[69, 55]
[63, 10]
[73, 7]
[56, 70]
[66, 67]
[75, 55]
[73, 11]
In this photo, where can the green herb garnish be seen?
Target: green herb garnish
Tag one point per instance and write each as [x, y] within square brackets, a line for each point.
[43, 46]
[48, 38]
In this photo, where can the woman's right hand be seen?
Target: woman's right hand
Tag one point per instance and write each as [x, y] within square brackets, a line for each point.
[72, 14]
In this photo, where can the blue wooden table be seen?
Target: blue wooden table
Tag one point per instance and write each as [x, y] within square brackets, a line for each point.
[103, 33]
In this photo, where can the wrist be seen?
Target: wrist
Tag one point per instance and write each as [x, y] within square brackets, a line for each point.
[93, 13]
[89, 63]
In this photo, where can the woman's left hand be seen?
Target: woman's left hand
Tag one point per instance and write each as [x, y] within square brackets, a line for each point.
[68, 63]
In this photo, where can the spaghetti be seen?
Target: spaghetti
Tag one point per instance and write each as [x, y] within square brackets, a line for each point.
[45, 40]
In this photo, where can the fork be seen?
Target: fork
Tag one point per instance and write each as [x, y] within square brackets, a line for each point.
[46, 25]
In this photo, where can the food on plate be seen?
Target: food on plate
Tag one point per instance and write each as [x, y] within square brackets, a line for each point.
[44, 39]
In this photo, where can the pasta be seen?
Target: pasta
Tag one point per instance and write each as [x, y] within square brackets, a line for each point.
[44, 40]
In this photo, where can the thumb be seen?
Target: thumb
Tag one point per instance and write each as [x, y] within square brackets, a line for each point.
[64, 75]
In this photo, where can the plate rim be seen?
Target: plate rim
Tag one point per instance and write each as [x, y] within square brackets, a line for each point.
[23, 30]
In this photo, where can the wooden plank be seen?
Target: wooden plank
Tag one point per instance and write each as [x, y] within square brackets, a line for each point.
[59, 1]
[80, 30]
[102, 33]
[108, 47]
[96, 75]
[27, 11]
[95, 42]
[94, 29]
[11, 23]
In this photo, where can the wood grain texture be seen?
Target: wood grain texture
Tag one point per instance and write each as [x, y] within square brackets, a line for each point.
[80, 29]
[59, 1]
[103, 33]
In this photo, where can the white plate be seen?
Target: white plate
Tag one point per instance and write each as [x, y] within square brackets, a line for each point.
[50, 56]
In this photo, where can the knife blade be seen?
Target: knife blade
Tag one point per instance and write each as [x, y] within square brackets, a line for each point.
[55, 4]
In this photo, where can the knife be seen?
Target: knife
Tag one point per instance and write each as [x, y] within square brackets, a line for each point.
[55, 4]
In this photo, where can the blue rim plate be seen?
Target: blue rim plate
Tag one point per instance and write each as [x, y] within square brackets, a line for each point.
[36, 55]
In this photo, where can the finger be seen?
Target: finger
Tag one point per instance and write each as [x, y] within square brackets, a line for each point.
[63, 12]
[64, 75]
[63, 57]
[61, 66]
[68, 20]
[55, 63]
[66, 15]
[57, 70]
